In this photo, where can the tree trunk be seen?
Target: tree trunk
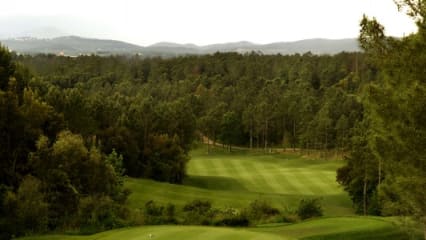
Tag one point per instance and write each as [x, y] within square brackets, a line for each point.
[251, 135]
[208, 145]
[294, 135]
[364, 194]
[283, 132]
[380, 172]
[257, 140]
[424, 228]
[266, 135]
[326, 140]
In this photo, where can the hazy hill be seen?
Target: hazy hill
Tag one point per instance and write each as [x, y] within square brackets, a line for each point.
[73, 46]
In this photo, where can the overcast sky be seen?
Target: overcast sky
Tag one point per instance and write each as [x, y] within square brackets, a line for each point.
[201, 22]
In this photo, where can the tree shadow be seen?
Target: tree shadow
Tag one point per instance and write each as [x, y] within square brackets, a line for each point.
[214, 183]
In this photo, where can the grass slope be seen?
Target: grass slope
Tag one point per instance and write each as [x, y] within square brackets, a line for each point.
[353, 228]
[238, 178]
[169, 232]
[341, 228]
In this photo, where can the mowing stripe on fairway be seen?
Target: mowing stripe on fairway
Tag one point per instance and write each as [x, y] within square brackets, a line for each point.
[241, 172]
[329, 187]
[223, 167]
[288, 184]
[236, 179]
[196, 167]
[313, 181]
[258, 177]
[209, 167]
[300, 182]
[271, 178]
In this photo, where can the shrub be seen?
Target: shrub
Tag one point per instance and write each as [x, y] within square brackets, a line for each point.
[100, 213]
[24, 212]
[289, 218]
[170, 213]
[235, 221]
[153, 213]
[32, 211]
[152, 209]
[159, 214]
[198, 212]
[199, 206]
[309, 208]
[260, 209]
[231, 217]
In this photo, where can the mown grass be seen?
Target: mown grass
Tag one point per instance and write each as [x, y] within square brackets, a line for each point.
[235, 179]
[351, 228]
[169, 232]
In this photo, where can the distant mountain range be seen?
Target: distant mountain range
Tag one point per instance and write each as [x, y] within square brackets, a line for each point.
[74, 46]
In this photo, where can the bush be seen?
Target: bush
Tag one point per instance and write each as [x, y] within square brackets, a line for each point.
[260, 209]
[236, 221]
[152, 209]
[309, 208]
[289, 218]
[158, 214]
[199, 206]
[231, 217]
[100, 213]
[198, 212]
[26, 211]
[169, 213]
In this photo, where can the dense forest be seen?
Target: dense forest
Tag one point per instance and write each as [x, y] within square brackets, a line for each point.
[70, 128]
[139, 117]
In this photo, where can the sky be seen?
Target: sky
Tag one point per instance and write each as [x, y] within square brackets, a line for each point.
[201, 22]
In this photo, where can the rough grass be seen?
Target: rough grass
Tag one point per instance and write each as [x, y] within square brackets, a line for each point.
[235, 179]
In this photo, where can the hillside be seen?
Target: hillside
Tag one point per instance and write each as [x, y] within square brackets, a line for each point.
[239, 178]
[70, 45]
[73, 46]
[355, 228]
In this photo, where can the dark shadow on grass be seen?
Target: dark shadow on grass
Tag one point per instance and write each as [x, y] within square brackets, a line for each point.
[214, 183]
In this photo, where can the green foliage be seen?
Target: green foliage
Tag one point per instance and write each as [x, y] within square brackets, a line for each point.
[237, 99]
[165, 160]
[100, 213]
[198, 206]
[116, 160]
[159, 214]
[309, 208]
[27, 210]
[259, 210]
[231, 217]
[360, 175]
[388, 158]
[198, 212]
[7, 68]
